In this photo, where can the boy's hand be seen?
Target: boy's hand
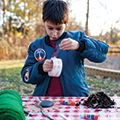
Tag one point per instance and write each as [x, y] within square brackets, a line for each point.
[48, 65]
[69, 44]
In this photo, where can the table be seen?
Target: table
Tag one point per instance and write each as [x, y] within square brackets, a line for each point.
[73, 112]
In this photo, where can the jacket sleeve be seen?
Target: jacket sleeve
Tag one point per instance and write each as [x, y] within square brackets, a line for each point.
[93, 50]
[30, 72]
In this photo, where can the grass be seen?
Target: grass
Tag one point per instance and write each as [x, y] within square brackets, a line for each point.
[10, 79]
[107, 85]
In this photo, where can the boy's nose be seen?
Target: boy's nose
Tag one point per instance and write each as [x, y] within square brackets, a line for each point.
[54, 33]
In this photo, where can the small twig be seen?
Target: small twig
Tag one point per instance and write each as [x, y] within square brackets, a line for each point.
[39, 100]
[64, 117]
[29, 114]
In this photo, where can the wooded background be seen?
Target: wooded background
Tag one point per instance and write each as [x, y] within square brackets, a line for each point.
[22, 24]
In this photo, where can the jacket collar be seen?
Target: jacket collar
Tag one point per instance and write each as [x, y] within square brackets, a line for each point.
[47, 40]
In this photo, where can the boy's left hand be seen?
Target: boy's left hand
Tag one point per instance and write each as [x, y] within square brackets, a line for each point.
[69, 44]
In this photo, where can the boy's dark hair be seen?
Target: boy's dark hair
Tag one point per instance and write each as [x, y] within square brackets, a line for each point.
[55, 11]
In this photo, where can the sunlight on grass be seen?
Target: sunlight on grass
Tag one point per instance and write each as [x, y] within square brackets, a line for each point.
[11, 64]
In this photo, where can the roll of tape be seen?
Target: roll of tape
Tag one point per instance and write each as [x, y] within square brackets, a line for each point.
[57, 67]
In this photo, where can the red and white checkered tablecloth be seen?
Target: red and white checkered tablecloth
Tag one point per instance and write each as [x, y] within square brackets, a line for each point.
[73, 112]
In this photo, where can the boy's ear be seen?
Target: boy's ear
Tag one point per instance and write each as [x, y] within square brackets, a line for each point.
[43, 22]
[67, 24]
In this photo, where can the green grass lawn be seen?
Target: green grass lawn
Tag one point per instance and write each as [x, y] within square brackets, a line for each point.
[10, 79]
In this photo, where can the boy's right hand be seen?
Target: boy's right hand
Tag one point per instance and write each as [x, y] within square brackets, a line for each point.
[48, 65]
[69, 44]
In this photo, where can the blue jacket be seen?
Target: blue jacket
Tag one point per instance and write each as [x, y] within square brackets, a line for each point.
[73, 73]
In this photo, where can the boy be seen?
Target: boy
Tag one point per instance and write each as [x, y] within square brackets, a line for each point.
[73, 47]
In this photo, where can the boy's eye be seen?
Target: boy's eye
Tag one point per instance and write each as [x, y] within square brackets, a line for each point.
[58, 28]
[50, 28]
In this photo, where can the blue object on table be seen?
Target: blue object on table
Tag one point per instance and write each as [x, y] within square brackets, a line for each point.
[46, 103]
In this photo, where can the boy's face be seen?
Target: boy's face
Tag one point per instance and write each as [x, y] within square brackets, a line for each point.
[54, 31]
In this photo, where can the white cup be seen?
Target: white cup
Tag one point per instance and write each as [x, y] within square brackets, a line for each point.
[57, 67]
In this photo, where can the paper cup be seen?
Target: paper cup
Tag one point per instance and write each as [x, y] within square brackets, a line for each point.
[57, 67]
